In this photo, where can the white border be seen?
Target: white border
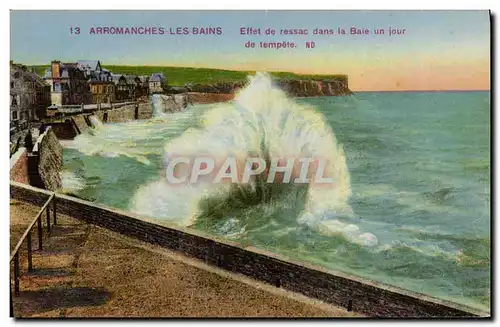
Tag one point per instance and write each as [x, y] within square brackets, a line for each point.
[185, 4]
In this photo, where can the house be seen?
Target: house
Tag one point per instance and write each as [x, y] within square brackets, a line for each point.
[143, 86]
[68, 84]
[102, 87]
[121, 87]
[42, 91]
[130, 87]
[132, 84]
[29, 95]
[156, 83]
[89, 66]
[100, 80]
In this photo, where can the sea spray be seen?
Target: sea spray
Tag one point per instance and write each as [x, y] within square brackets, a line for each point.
[165, 104]
[71, 183]
[261, 122]
[97, 124]
[158, 105]
[111, 140]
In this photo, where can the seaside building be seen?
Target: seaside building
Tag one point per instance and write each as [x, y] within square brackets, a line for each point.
[156, 83]
[142, 86]
[29, 95]
[102, 88]
[89, 66]
[42, 92]
[132, 84]
[86, 82]
[121, 87]
[68, 84]
[100, 80]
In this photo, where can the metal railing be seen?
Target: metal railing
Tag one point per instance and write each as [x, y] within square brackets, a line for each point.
[27, 236]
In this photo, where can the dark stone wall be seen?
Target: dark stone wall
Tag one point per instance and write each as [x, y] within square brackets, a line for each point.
[34, 177]
[29, 194]
[361, 296]
[65, 130]
[80, 123]
[145, 110]
[45, 162]
[49, 152]
[125, 113]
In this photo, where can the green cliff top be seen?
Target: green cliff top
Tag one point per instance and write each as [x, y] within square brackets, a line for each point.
[178, 76]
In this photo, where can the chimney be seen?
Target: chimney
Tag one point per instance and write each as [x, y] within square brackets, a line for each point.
[56, 65]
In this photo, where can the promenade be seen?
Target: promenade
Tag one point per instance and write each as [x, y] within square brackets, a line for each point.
[87, 271]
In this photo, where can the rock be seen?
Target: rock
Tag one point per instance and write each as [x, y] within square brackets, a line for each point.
[293, 87]
[171, 103]
[177, 89]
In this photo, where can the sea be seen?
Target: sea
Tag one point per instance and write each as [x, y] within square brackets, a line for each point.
[409, 205]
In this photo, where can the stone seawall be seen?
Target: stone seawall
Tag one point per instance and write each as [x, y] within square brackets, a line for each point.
[66, 130]
[126, 113]
[145, 110]
[78, 124]
[45, 162]
[354, 293]
[121, 115]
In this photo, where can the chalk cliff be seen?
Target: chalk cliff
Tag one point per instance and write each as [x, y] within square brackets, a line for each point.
[293, 87]
[314, 88]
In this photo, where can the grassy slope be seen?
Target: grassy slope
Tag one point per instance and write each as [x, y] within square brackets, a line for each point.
[182, 75]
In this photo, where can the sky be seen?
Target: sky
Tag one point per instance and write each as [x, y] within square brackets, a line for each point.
[439, 50]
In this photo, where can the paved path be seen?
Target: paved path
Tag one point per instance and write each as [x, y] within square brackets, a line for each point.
[87, 271]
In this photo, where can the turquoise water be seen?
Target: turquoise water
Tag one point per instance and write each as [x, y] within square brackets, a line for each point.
[419, 177]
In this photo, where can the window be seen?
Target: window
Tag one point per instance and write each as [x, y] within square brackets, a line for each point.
[11, 85]
[14, 115]
[14, 101]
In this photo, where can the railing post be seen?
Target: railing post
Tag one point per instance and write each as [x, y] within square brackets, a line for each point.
[16, 274]
[30, 254]
[40, 233]
[11, 304]
[54, 209]
[48, 220]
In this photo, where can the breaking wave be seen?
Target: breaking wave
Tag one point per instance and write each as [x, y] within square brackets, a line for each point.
[113, 140]
[261, 121]
[71, 183]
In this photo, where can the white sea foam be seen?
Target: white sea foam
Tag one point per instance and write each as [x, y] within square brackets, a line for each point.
[71, 183]
[261, 121]
[95, 122]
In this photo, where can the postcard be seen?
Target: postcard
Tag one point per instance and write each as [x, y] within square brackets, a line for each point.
[263, 163]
